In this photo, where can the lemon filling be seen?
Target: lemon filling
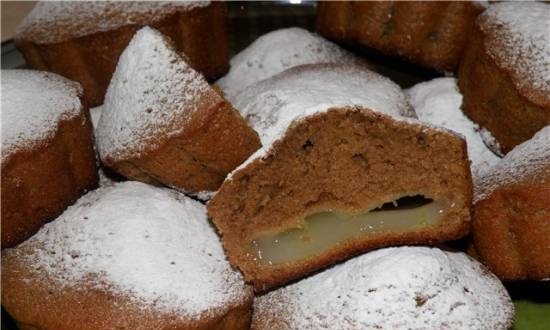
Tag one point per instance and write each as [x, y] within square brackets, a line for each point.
[325, 230]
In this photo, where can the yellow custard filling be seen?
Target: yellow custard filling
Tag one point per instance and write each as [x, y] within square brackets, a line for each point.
[325, 230]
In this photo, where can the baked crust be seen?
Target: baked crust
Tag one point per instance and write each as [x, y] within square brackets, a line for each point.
[185, 136]
[511, 231]
[432, 34]
[127, 256]
[399, 288]
[200, 33]
[511, 224]
[509, 114]
[40, 182]
[42, 304]
[215, 140]
[349, 149]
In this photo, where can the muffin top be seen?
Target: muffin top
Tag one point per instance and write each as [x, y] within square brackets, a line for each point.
[33, 104]
[517, 37]
[152, 245]
[151, 97]
[439, 102]
[277, 51]
[57, 21]
[392, 288]
[527, 162]
[273, 104]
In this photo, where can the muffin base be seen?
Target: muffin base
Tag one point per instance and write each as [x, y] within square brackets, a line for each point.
[38, 184]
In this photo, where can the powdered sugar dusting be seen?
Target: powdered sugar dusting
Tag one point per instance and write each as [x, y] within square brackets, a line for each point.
[205, 195]
[409, 288]
[439, 102]
[277, 51]
[95, 114]
[55, 21]
[33, 103]
[152, 93]
[151, 244]
[531, 159]
[521, 45]
[273, 104]
[490, 141]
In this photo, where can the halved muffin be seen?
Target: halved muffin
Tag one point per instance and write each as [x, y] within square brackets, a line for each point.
[162, 123]
[343, 170]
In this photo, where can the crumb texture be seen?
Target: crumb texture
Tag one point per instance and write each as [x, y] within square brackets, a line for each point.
[152, 94]
[394, 288]
[519, 41]
[439, 102]
[153, 245]
[529, 160]
[55, 21]
[33, 103]
[277, 51]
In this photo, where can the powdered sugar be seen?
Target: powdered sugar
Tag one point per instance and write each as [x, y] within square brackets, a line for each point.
[521, 45]
[531, 158]
[104, 179]
[33, 103]
[271, 105]
[95, 114]
[439, 102]
[409, 288]
[205, 195]
[55, 21]
[152, 93]
[490, 141]
[151, 244]
[277, 51]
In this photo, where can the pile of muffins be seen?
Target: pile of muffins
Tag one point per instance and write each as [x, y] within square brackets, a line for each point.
[149, 182]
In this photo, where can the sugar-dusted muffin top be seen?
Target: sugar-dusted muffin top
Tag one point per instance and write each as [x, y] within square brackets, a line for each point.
[439, 102]
[56, 21]
[527, 162]
[518, 40]
[33, 104]
[151, 97]
[152, 245]
[277, 51]
[271, 105]
[393, 288]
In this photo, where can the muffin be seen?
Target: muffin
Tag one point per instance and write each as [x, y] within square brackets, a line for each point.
[82, 40]
[338, 143]
[508, 55]
[439, 102]
[128, 256]
[162, 123]
[395, 288]
[277, 51]
[48, 158]
[431, 34]
[511, 227]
